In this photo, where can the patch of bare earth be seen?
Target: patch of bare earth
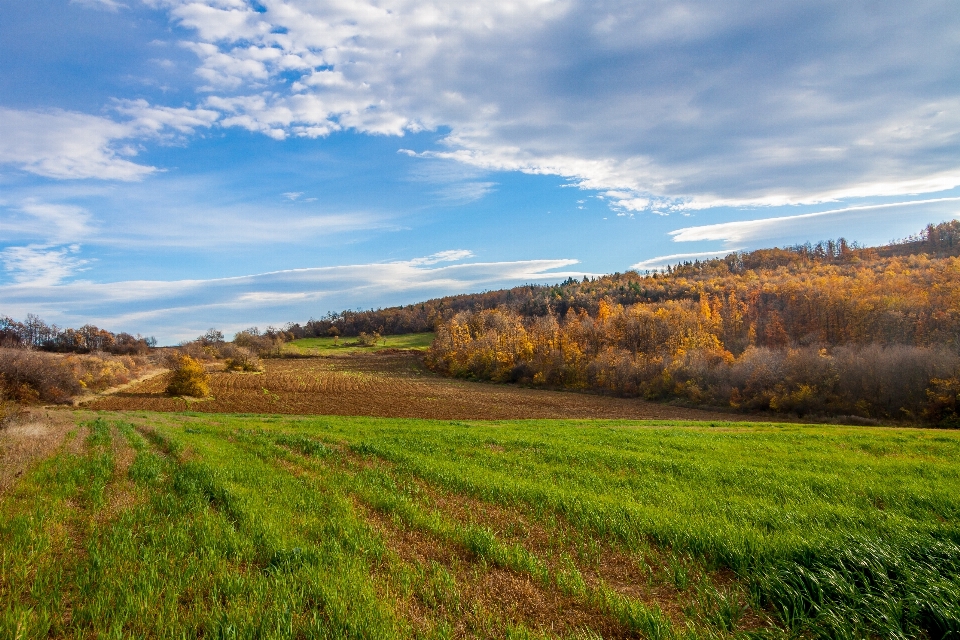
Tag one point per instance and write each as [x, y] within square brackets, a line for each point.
[35, 435]
[392, 384]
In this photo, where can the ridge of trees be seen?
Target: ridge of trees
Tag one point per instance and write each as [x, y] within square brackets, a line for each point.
[676, 282]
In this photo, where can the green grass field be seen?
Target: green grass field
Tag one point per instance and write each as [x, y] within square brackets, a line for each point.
[330, 346]
[180, 525]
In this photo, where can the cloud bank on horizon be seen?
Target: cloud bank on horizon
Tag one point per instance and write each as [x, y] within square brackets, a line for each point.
[733, 113]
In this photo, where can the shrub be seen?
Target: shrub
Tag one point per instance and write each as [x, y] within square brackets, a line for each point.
[101, 371]
[30, 376]
[263, 345]
[943, 401]
[240, 359]
[189, 378]
[368, 339]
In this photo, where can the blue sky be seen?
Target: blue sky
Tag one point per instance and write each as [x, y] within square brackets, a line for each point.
[171, 165]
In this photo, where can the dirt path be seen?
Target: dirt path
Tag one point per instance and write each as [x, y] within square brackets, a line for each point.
[90, 397]
[384, 385]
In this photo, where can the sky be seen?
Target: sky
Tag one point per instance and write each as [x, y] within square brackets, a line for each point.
[167, 166]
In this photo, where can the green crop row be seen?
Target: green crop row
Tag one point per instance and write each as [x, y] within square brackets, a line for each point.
[277, 527]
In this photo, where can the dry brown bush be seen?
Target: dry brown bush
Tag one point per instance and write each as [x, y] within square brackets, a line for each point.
[263, 345]
[28, 377]
[96, 372]
[240, 359]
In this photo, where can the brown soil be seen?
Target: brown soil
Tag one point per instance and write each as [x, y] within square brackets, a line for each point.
[387, 384]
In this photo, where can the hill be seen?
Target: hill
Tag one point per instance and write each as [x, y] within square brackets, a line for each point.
[679, 282]
[813, 330]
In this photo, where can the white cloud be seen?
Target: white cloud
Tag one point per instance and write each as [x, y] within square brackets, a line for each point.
[53, 223]
[109, 5]
[40, 265]
[173, 309]
[752, 232]
[666, 106]
[451, 255]
[661, 262]
[69, 145]
[62, 144]
[149, 120]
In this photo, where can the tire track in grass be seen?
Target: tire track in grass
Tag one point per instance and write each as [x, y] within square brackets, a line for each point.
[846, 581]
[611, 579]
[679, 586]
[614, 578]
[395, 581]
[530, 594]
[404, 575]
[478, 597]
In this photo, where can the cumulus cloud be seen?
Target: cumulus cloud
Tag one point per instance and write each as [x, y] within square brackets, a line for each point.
[661, 105]
[164, 307]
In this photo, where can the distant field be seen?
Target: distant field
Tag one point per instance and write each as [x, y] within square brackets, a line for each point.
[387, 384]
[330, 346]
[187, 525]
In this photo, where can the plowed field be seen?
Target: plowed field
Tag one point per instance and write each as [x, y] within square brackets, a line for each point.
[385, 384]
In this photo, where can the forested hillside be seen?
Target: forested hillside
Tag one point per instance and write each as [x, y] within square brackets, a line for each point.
[681, 282]
[829, 329]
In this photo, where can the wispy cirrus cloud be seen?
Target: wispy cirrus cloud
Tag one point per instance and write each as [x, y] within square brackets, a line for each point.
[54, 223]
[109, 5]
[660, 262]
[52, 233]
[70, 145]
[751, 232]
[67, 145]
[180, 309]
[40, 265]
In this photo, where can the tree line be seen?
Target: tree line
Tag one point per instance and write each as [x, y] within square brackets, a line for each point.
[675, 282]
[34, 333]
[830, 329]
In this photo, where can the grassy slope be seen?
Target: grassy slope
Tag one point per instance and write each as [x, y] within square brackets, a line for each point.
[280, 526]
[327, 346]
